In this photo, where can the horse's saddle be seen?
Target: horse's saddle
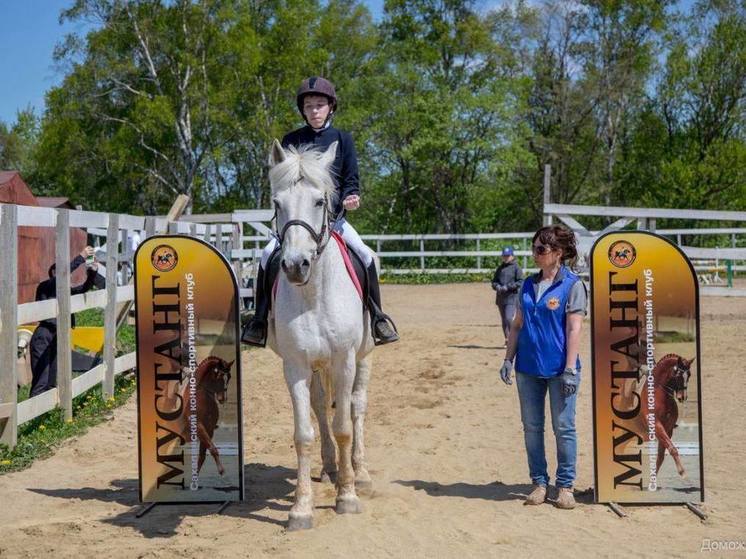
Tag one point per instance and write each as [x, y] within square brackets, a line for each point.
[353, 263]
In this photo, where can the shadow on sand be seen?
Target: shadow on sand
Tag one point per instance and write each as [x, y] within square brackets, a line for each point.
[495, 491]
[264, 486]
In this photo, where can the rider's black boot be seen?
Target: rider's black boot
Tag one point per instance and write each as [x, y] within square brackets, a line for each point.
[255, 330]
[384, 329]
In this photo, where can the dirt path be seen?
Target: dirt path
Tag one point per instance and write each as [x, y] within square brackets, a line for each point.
[446, 453]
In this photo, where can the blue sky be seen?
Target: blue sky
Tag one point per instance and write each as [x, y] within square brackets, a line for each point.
[31, 29]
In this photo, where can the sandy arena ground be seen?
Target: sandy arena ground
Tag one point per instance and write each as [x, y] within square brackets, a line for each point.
[445, 448]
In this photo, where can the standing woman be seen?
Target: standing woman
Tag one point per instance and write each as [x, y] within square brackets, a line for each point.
[544, 340]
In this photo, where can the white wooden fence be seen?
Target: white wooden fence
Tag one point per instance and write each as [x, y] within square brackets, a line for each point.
[234, 234]
[115, 228]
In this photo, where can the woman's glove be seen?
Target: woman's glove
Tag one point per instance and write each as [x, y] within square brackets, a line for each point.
[569, 380]
[505, 371]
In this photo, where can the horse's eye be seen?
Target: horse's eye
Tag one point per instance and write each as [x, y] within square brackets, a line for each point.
[276, 205]
[319, 203]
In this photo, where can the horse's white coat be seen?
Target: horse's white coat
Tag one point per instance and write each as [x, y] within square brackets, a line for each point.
[320, 330]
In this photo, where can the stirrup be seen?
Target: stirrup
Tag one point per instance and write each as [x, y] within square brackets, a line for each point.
[255, 332]
[382, 338]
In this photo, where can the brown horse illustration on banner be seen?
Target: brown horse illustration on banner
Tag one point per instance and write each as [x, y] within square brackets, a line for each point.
[671, 374]
[212, 377]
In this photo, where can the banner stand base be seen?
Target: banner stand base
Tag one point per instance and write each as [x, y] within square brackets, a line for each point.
[145, 510]
[150, 506]
[696, 510]
[617, 509]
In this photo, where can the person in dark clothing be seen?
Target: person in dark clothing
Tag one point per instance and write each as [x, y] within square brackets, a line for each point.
[317, 102]
[507, 283]
[43, 345]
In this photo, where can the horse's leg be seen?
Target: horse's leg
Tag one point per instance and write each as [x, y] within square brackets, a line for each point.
[202, 454]
[359, 407]
[663, 437]
[661, 456]
[205, 438]
[670, 426]
[298, 380]
[328, 451]
[343, 367]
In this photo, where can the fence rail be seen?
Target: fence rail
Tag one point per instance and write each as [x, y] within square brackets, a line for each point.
[114, 230]
[234, 234]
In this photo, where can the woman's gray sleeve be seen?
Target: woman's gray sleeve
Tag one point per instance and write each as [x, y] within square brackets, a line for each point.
[577, 302]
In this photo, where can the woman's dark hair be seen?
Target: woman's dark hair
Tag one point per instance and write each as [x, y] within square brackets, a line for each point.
[559, 237]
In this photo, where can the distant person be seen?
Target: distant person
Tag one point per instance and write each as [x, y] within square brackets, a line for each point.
[507, 282]
[544, 340]
[43, 343]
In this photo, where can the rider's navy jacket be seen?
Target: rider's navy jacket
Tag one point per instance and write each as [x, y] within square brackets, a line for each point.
[542, 349]
[344, 169]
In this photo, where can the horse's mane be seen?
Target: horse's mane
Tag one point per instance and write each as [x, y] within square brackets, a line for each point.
[304, 163]
[667, 356]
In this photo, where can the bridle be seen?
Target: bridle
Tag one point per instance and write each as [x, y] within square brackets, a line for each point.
[321, 238]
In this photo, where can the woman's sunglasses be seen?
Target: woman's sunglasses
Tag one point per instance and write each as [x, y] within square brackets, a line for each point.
[541, 249]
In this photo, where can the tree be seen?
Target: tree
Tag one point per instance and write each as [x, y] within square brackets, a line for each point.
[441, 107]
[18, 142]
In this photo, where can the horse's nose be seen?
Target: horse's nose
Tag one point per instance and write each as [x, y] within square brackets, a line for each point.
[296, 268]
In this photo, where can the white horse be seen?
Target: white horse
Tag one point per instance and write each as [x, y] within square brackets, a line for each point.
[320, 328]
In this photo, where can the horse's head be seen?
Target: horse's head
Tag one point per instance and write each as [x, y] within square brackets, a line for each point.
[302, 193]
[679, 379]
[217, 378]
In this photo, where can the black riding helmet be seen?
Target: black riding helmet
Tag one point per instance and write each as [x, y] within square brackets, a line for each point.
[316, 86]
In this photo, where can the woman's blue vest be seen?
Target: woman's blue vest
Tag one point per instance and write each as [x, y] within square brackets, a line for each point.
[542, 349]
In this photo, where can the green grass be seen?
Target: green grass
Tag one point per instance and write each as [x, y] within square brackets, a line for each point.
[673, 337]
[427, 279]
[40, 437]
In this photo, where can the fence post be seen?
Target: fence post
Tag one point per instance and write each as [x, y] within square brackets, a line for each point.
[64, 319]
[479, 258]
[9, 324]
[236, 244]
[110, 312]
[422, 258]
[219, 238]
[547, 191]
[207, 233]
[149, 227]
[126, 252]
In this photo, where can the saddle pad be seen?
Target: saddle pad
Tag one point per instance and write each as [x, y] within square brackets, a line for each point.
[348, 265]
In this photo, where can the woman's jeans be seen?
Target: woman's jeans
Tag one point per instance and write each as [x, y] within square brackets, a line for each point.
[532, 391]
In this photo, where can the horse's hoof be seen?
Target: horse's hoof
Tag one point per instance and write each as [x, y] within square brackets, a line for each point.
[328, 477]
[299, 522]
[349, 505]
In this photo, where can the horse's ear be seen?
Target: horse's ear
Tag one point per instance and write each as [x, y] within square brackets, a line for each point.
[229, 365]
[276, 154]
[328, 157]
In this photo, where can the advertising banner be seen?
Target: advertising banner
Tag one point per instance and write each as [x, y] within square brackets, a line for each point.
[188, 373]
[647, 407]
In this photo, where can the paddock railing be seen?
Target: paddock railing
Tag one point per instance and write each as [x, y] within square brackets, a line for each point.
[114, 230]
[240, 236]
